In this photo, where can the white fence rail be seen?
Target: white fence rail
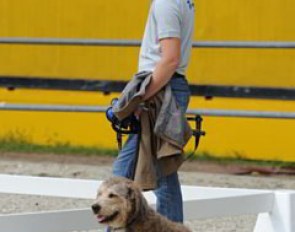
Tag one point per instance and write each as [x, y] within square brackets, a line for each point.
[275, 209]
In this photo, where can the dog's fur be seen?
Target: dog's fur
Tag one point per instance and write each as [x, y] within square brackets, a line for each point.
[121, 205]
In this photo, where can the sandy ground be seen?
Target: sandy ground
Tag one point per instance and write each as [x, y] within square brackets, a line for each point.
[100, 168]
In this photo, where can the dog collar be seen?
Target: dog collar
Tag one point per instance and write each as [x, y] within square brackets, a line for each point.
[127, 226]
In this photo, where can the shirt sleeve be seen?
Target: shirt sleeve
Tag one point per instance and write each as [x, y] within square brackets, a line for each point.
[168, 18]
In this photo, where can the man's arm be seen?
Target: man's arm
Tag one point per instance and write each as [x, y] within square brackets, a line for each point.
[166, 67]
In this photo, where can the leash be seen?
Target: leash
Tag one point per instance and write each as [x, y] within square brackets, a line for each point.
[197, 133]
[131, 125]
[121, 131]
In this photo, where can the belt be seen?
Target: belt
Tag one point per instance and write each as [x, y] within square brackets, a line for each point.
[178, 75]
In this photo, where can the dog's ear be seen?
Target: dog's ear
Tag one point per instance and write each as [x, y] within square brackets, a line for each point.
[130, 191]
[140, 203]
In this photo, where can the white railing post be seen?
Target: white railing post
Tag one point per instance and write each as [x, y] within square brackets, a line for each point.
[282, 216]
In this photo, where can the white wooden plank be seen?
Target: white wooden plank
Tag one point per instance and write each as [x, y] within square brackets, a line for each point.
[82, 219]
[199, 202]
[86, 189]
[49, 186]
[54, 221]
[193, 192]
[54, 187]
[228, 206]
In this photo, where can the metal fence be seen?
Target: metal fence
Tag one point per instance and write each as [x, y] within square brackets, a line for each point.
[136, 43]
[101, 109]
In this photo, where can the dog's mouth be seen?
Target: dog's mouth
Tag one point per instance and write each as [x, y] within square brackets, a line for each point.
[105, 219]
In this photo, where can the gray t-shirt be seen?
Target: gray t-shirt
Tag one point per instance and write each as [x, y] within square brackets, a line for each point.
[167, 18]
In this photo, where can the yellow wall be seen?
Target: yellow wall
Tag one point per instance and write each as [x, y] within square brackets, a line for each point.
[264, 20]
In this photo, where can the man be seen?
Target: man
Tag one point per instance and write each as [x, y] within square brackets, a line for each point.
[165, 51]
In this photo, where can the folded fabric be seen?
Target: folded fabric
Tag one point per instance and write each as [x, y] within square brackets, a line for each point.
[164, 130]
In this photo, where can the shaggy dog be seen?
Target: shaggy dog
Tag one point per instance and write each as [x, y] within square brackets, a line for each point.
[121, 205]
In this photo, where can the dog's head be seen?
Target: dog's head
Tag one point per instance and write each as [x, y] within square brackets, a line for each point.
[119, 202]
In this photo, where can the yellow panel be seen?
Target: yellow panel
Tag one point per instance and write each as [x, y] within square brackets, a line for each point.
[249, 138]
[69, 62]
[226, 67]
[264, 20]
[267, 139]
[272, 68]
[73, 18]
[215, 20]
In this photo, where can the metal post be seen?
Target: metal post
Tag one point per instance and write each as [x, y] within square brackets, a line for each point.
[97, 109]
[136, 43]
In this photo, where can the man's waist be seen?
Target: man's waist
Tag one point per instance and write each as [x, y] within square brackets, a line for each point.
[178, 75]
[150, 67]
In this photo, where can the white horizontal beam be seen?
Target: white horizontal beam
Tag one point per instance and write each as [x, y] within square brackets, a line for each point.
[54, 221]
[70, 220]
[64, 221]
[195, 198]
[86, 189]
[53, 187]
[275, 208]
[228, 206]
[49, 186]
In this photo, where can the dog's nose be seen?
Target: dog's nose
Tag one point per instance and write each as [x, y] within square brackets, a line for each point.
[95, 208]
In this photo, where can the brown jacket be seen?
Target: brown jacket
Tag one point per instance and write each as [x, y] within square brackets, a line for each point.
[164, 130]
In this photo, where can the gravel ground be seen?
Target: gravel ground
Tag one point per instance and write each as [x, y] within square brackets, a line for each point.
[59, 167]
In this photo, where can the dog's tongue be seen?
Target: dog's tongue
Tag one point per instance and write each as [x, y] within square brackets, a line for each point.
[100, 218]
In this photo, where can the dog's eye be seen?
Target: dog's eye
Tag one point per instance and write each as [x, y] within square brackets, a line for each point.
[111, 195]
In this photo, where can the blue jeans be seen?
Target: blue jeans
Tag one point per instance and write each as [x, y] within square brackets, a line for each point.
[168, 193]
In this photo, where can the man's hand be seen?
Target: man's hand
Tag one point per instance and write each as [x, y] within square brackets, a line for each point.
[137, 113]
[166, 67]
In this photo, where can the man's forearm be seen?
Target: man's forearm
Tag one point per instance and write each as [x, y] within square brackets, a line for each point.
[165, 68]
[161, 76]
